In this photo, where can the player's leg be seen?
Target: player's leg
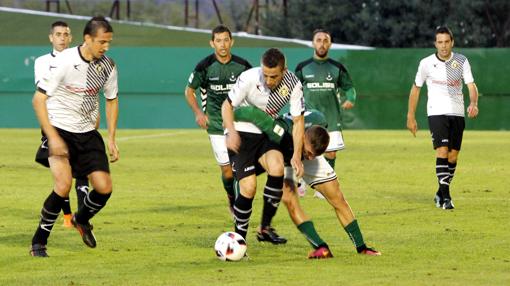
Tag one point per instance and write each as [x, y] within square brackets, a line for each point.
[91, 161]
[456, 129]
[272, 162]
[81, 186]
[62, 178]
[243, 203]
[66, 209]
[301, 220]
[221, 155]
[336, 143]
[439, 130]
[320, 175]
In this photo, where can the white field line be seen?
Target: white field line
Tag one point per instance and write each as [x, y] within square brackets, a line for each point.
[126, 138]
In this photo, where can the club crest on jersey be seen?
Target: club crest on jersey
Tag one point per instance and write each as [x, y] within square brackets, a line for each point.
[283, 91]
[232, 77]
[99, 68]
[454, 64]
[329, 77]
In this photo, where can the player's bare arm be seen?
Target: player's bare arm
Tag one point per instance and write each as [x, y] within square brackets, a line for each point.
[232, 139]
[57, 146]
[200, 118]
[112, 114]
[411, 111]
[298, 131]
[472, 109]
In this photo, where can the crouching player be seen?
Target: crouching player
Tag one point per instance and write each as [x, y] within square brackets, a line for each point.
[318, 174]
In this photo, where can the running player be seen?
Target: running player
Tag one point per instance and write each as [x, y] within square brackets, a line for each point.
[60, 37]
[215, 75]
[317, 173]
[444, 72]
[323, 78]
[66, 105]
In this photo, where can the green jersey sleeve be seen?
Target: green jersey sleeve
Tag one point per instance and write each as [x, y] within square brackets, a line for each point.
[272, 128]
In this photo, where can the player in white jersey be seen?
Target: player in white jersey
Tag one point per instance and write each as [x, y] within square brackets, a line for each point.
[443, 72]
[269, 88]
[60, 37]
[66, 104]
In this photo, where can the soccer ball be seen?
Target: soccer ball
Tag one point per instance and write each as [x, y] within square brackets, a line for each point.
[230, 246]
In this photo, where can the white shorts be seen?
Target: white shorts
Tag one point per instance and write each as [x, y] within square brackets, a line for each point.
[317, 171]
[219, 147]
[336, 141]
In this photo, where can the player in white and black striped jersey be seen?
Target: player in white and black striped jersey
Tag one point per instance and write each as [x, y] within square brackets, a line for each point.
[60, 37]
[269, 88]
[66, 104]
[443, 72]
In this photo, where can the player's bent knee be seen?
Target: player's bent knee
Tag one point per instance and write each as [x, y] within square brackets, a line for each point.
[101, 182]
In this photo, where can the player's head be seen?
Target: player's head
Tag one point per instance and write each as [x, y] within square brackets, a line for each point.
[221, 41]
[444, 42]
[316, 141]
[98, 34]
[321, 42]
[60, 36]
[273, 67]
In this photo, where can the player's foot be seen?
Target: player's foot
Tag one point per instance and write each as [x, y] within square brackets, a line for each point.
[301, 188]
[370, 252]
[270, 235]
[448, 204]
[320, 253]
[38, 250]
[67, 221]
[318, 195]
[438, 201]
[85, 231]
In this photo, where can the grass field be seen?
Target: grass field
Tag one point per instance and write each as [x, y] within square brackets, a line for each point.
[168, 207]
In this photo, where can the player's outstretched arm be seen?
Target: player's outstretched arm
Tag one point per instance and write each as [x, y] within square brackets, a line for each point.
[57, 146]
[472, 109]
[411, 111]
[112, 114]
[200, 118]
[233, 140]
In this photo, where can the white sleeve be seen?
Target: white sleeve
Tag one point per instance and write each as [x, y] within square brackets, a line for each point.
[39, 69]
[297, 101]
[55, 76]
[240, 90]
[421, 74]
[111, 87]
[466, 73]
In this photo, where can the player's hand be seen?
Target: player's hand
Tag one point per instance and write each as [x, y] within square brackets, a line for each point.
[347, 105]
[202, 120]
[113, 150]
[297, 165]
[412, 125]
[58, 147]
[472, 111]
[233, 140]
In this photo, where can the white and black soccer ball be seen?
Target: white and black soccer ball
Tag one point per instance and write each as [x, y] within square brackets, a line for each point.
[230, 246]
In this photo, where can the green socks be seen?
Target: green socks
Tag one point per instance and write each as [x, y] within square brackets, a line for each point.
[308, 230]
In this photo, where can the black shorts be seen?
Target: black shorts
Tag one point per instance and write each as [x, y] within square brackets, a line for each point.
[87, 152]
[446, 130]
[253, 146]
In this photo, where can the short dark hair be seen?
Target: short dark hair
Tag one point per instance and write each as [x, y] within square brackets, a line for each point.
[320, 30]
[220, 29]
[273, 57]
[319, 138]
[444, 30]
[58, 24]
[96, 23]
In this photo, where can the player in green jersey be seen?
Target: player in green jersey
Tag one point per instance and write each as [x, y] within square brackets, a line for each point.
[323, 80]
[214, 76]
[317, 173]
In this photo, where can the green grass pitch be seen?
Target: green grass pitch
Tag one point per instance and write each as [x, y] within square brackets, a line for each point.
[168, 207]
